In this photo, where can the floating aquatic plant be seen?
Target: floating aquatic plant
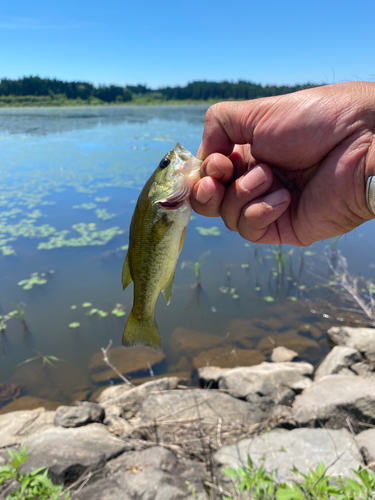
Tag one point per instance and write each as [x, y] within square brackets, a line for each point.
[86, 304]
[86, 206]
[208, 231]
[118, 311]
[269, 298]
[102, 213]
[73, 307]
[229, 290]
[74, 325]
[90, 236]
[101, 200]
[7, 250]
[35, 279]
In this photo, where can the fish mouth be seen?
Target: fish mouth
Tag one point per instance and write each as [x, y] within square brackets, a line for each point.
[170, 204]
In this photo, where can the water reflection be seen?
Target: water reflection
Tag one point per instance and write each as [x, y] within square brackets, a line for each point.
[43, 121]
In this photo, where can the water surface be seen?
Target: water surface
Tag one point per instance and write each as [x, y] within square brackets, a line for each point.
[69, 181]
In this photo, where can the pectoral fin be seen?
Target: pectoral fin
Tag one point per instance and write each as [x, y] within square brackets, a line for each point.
[168, 289]
[126, 276]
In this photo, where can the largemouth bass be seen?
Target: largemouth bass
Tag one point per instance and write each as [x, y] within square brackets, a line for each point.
[157, 232]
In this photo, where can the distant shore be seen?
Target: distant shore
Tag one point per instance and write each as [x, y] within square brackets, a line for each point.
[48, 102]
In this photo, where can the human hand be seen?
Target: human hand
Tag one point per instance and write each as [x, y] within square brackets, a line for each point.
[292, 168]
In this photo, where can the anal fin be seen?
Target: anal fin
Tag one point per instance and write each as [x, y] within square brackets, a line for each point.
[126, 276]
[168, 289]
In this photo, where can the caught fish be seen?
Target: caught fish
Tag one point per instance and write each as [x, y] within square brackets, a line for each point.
[157, 232]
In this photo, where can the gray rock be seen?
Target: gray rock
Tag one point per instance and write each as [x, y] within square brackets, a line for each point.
[154, 473]
[366, 443]
[331, 399]
[365, 368]
[282, 354]
[281, 450]
[16, 427]
[338, 360]
[207, 404]
[266, 379]
[130, 398]
[75, 416]
[362, 339]
[68, 453]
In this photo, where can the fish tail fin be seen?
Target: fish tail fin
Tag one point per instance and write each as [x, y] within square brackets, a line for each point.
[141, 332]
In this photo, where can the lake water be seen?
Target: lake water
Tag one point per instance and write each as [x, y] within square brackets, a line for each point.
[69, 181]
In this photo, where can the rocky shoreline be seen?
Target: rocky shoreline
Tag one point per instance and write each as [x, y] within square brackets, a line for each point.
[148, 441]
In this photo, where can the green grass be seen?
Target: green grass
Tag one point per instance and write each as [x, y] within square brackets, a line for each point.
[315, 485]
[33, 485]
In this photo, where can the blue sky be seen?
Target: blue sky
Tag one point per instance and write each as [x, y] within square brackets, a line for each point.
[172, 43]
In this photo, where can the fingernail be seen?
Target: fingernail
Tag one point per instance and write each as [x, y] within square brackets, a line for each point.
[253, 179]
[277, 198]
[202, 195]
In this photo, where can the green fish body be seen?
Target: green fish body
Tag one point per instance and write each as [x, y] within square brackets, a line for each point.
[157, 232]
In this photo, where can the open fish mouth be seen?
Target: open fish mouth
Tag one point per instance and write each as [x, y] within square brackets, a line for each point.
[176, 199]
[172, 205]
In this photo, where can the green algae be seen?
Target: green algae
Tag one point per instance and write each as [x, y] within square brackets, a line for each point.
[102, 213]
[208, 231]
[104, 199]
[35, 279]
[86, 206]
[90, 236]
[75, 324]
[118, 311]
[7, 250]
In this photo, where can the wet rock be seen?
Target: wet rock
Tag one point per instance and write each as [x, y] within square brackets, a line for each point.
[29, 403]
[76, 416]
[362, 339]
[154, 473]
[184, 342]
[184, 365]
[131, 398]
[333, 398]
[339, 360]
[266, 379]
[69, 453]
[227, 357]
[304, 346]
[127, 361]
[366, 443]
[55, 383]
[281, 450]
[242, 332]
[282, 354]
[17, 427]
[9, 392]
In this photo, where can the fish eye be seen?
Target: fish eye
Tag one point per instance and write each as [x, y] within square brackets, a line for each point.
[164, 163]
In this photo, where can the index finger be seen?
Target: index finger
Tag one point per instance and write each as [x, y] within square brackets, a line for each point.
[229, 123]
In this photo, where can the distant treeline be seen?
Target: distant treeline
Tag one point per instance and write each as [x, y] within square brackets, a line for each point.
[202, 90]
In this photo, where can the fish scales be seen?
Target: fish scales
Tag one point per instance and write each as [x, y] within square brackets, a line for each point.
[157, 231]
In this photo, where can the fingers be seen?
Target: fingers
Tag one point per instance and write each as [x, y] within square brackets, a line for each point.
[227, 124]
[244, 190]
[206, 197]
[265, 220]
